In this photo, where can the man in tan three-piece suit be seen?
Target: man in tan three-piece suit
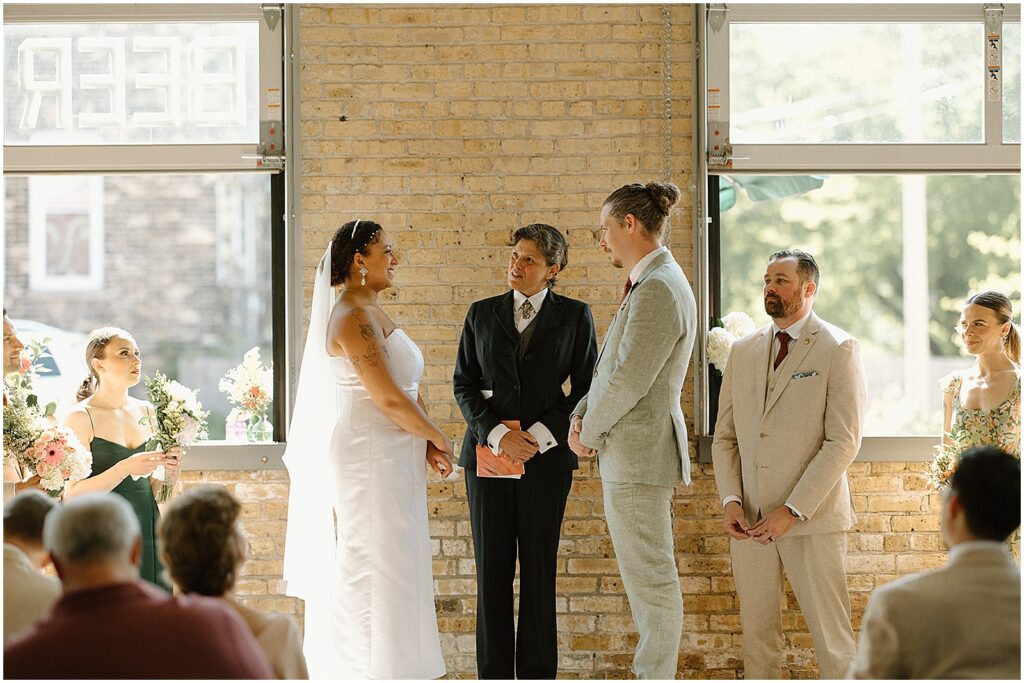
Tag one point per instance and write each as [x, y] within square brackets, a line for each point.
[963, 620]
[789, 424]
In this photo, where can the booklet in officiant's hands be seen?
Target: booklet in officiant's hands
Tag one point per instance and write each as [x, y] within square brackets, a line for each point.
[498, 466]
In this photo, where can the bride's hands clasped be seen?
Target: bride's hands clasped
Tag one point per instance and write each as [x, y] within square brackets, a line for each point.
[439, 456]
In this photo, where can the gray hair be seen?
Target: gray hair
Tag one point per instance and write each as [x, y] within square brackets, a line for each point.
[91, 527]
[549, 240]
[25, 514]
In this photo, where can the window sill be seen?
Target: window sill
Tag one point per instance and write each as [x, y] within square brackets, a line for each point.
[225, 455]
[872, 449]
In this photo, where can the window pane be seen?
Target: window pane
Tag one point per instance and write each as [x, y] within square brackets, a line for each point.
[1011, 83]
[856, 83]
[898, 256]
[184, 265]
[165, 83]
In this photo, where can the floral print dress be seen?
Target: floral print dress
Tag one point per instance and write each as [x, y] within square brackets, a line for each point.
[978, 427]
[997, 427]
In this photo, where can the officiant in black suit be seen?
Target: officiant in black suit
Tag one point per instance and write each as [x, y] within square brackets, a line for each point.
[516, 352]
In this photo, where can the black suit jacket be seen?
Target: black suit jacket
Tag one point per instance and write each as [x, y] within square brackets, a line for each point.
[563, 346]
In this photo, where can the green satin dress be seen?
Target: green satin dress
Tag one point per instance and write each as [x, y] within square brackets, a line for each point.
[106, 454]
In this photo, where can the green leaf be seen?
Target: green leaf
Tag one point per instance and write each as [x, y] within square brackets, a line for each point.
[51, 409]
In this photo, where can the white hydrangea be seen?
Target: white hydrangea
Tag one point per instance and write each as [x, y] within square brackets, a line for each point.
[739, 324]
[182, 397]
[719, 344]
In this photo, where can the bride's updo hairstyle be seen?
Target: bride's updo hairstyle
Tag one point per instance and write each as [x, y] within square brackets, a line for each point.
[351, 239]
[1000, 305]
[650, 203]
[96, 347]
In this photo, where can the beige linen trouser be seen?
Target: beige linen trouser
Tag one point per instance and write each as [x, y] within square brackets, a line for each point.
[640, 523]
[815, 565]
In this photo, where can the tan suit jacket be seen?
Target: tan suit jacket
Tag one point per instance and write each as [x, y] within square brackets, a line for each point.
[961, 621]
[794, 445]
[28, 594]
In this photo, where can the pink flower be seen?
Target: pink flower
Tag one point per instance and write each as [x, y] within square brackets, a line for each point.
[54, 453]
[26, 364]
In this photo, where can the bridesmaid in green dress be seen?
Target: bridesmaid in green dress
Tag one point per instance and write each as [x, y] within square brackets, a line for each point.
[114, 425]
[982, 404]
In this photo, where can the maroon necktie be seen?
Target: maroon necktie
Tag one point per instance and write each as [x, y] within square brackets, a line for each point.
[625, 290]
[783, 338]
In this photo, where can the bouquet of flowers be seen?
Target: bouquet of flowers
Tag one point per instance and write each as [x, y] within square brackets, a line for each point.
[22, 425]
[947, 455]
[57, 457]
[33, 442]
[20, 383]
[249, 387]
[178, 419]
[722, 335]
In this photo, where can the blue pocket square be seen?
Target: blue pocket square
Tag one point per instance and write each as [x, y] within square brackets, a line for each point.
[806, 373]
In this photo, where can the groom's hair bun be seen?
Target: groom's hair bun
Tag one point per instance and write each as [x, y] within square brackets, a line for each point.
[650, 204]
[348, 242]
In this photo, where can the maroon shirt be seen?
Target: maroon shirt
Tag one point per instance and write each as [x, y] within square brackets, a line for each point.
[134, 630]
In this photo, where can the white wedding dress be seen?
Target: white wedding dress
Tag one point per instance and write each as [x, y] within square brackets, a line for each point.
[383, 620]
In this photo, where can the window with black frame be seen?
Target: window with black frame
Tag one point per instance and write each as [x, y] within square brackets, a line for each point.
[127, 199]
[901, 174]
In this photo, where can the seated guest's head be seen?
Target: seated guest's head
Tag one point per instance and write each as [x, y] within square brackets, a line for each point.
[200, 542]
[24, 516]
[94, 540]
[982, 502]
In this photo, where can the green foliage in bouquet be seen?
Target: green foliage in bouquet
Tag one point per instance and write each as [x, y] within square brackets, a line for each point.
[20, 383]
[947, 455]
[178, 420]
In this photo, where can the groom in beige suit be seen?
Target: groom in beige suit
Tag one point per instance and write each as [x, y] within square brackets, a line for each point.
[789, 424]
[963, 620]
[632, 420]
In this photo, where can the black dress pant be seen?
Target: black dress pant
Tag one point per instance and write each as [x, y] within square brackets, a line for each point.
[513, 517]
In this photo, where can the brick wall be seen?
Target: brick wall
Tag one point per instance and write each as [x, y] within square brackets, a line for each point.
[453, 125]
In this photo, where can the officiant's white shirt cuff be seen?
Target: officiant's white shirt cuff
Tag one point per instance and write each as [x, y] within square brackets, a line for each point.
[494, 438]
[729, 499]
[545, 439]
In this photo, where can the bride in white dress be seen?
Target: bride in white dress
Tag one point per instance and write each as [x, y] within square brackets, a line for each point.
[358, 544]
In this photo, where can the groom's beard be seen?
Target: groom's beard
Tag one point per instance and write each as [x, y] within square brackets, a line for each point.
[777, 307]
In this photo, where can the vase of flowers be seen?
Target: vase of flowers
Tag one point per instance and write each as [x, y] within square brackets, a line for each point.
[249, 389]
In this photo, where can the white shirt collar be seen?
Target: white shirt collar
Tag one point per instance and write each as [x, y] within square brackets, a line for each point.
[537, 299]
[641, 265]
[967, 546]
[796, 329]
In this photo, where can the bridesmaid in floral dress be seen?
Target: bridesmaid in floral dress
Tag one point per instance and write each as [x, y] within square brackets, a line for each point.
[981, 404]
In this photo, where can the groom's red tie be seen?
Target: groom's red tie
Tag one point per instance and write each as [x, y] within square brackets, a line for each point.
[783, 338]
[625, 290]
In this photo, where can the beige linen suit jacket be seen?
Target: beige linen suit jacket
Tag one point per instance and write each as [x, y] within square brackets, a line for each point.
[961, 621]
[632, 414]
[28, 594]
[794, 445]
